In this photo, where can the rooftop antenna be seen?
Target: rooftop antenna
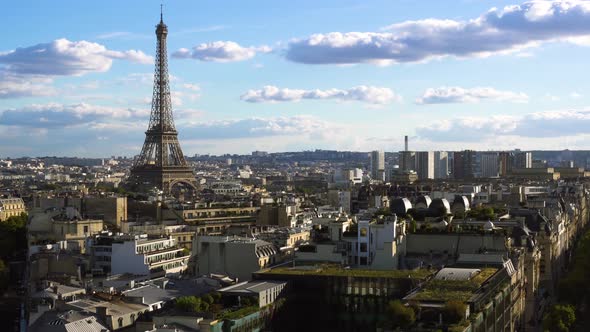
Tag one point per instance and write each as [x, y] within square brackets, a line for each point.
[161, 13]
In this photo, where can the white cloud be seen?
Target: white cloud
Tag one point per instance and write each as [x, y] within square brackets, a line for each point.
[368, 94]
[575, 95]
[16, 86]
[58, 115]
[509, 30]
[220, 51]
[301, 125]
[64, 57]
[443, 95]
[560, 123]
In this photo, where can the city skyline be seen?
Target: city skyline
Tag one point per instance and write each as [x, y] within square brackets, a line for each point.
[356, 76]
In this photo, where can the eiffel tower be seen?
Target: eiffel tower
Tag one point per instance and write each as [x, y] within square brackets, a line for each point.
[161, 163]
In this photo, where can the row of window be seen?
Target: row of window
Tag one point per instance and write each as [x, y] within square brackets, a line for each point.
[159, 258]
[184, 238]
[153, 247]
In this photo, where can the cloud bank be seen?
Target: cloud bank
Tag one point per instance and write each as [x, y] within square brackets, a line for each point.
[454, 94]
[60, 116]
[16, 86]
[545, 124]
[64, 57]
[362, 93]
[510, 29]
[220, 51]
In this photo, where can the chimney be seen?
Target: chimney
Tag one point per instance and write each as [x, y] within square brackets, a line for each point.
[406, 143]
[102, 312]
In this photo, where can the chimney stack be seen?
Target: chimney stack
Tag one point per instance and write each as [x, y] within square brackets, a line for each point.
[406, 142]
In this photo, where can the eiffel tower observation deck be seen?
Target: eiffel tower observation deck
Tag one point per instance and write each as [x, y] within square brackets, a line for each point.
[161, 163]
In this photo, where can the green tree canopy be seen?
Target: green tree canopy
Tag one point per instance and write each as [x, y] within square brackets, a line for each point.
[454, 311]
[189, 303]
[208, 299]
[400, 315]
[560, 318]
[13, 235]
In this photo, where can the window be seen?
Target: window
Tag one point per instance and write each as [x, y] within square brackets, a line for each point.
[363, 247]
[85, 229]
[120, 321]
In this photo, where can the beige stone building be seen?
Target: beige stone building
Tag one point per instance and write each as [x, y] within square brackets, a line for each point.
[112, 210]
[55, 228]
[236, 257]
[10, 207]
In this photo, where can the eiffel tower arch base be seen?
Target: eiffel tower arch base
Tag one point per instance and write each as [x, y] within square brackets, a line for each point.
[165, 179]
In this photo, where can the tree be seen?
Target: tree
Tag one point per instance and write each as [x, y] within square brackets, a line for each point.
[216, 297]
[559, 318]
[382, 212]
[208, 299]
[246, 301]
[189, 303]
[454, 311]
[413, 226]
[400, 315]
[13, 235]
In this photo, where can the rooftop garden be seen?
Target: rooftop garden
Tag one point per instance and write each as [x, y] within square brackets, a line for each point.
[458, 290]
[215, 306]
[337, 271]
[239, 313]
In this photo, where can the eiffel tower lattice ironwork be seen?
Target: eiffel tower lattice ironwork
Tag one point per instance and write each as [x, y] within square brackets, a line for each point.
[161, 162]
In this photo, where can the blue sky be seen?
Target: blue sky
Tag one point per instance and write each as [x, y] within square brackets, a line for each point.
[76, 76]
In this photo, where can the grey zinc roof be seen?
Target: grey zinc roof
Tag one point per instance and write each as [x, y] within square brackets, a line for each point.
[175, 288]
[85, 325]
[449, 273]
[68, 321]
[251, 287]
[152, 294]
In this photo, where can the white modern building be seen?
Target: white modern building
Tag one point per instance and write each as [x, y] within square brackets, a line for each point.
[441, 164]
[425, 165]
[378, 165]
[138, 255]
[377, 244]
[523, 160]
[489, 165]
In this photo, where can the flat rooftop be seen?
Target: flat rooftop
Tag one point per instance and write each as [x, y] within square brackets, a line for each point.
[339, 271]
[453, 284]
[115, 307]
[251, 287]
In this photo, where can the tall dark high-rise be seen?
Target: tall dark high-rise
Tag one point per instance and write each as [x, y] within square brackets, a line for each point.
[161, 162]
[464, 164]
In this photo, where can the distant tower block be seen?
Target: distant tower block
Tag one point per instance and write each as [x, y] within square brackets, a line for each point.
[405, 143]
[161, 163]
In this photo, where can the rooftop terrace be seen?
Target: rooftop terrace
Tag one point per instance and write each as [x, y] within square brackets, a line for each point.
[339, 271]
[442, 290]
